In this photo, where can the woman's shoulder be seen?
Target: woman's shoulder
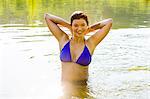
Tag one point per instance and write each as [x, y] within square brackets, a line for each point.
[90, 46]
[63, 41]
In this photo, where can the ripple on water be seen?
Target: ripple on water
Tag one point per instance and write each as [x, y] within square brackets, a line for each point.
[137, 68]
[120, 67]
[18, 38]
[30, 41]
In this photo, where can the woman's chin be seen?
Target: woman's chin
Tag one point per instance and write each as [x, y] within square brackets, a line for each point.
[80, 35]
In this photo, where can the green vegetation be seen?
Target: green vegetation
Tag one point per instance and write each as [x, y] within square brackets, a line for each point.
[125, 13]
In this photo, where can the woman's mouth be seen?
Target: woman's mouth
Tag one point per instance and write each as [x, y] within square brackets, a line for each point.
[79, 32]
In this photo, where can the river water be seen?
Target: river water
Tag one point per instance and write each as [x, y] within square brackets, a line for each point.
[30, 67]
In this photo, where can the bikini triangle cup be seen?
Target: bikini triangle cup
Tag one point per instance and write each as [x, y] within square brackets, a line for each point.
[83, 60]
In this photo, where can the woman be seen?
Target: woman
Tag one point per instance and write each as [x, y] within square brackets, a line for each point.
[76, 53]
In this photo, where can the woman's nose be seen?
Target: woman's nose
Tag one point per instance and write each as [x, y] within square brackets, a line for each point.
[79, 28]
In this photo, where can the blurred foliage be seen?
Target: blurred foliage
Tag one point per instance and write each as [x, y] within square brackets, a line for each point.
[125, 13]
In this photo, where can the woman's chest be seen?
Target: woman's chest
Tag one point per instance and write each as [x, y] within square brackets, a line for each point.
[76, 51]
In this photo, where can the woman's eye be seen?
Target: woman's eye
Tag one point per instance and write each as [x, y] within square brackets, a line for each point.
[82, 24]
[75, 25]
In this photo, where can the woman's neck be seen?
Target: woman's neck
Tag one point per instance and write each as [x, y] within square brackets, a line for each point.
[77, 39]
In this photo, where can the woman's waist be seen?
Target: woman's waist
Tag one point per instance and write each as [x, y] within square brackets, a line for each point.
[75, 82]
[74, 76]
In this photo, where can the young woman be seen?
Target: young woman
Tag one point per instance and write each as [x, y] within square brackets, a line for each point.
[76, 52]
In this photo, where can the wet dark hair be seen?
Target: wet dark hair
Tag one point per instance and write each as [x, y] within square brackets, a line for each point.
[79, 15]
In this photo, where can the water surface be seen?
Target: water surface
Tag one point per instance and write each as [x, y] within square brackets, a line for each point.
[30, 65]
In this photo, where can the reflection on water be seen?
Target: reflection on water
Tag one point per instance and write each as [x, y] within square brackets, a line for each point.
[71, 90]
[125, 13]
[30, 66]
[136, 68]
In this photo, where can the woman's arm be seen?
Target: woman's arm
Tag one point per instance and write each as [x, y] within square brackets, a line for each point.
[53, 22]
[99, 25]
[58, 20]
[104, 27]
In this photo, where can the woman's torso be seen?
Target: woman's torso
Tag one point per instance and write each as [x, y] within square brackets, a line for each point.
[72, 71]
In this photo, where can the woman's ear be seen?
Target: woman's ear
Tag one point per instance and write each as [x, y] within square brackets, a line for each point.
[71, 30]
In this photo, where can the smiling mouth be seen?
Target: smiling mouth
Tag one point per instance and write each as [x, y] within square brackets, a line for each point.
[79, 32]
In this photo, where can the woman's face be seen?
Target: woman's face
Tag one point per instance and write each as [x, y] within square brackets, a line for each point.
[79, 27]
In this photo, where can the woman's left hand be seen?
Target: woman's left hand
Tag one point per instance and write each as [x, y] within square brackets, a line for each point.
[89, 29]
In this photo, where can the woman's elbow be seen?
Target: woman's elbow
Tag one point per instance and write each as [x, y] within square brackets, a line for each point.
[110, 20]
[45, 15]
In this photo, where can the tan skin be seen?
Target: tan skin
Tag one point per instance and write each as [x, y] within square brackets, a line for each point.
[72, 71]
